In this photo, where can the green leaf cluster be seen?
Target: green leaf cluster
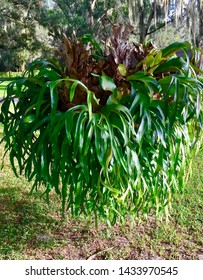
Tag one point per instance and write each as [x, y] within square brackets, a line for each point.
[113, 161]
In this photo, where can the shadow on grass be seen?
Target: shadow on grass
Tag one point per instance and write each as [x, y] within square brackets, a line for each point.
[23, 223]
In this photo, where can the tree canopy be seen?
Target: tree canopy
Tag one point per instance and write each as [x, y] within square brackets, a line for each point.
[31, 26]
[20, 32]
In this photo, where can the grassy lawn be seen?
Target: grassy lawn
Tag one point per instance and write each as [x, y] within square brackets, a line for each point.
[31, 229]
[2, 88]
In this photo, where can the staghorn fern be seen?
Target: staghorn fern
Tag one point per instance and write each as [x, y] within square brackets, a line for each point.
[113, 140]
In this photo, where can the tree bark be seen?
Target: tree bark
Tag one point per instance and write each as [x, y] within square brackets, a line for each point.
[200, 35]
[142, 26]
[136, 17]
[91, 12]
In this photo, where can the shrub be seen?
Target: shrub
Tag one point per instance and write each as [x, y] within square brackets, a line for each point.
[110, 131]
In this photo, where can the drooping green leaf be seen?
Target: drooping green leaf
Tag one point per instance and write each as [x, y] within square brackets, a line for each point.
[172, 65]
[174, 47]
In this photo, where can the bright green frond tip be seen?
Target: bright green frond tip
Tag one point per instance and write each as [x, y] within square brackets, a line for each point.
[113, 140]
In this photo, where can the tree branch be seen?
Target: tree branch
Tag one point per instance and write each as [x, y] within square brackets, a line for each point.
[151, 15]
[93, 4]
[160, 26]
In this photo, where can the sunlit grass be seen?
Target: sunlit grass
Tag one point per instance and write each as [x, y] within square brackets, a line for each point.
[3, 88]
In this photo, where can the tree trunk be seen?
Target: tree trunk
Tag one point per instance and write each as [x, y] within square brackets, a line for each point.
[200, 35]
[91, 12]
[136, 17]
[142, 27]
[199, 41]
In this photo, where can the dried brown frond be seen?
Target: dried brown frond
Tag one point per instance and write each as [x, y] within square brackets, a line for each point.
[79, 63]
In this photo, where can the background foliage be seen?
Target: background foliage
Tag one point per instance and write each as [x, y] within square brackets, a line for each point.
[29, 29]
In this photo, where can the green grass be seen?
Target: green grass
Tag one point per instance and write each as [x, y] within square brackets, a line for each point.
[2, 88]
[31, 229]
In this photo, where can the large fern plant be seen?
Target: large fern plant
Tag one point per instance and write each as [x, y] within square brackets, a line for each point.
[109, 130]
